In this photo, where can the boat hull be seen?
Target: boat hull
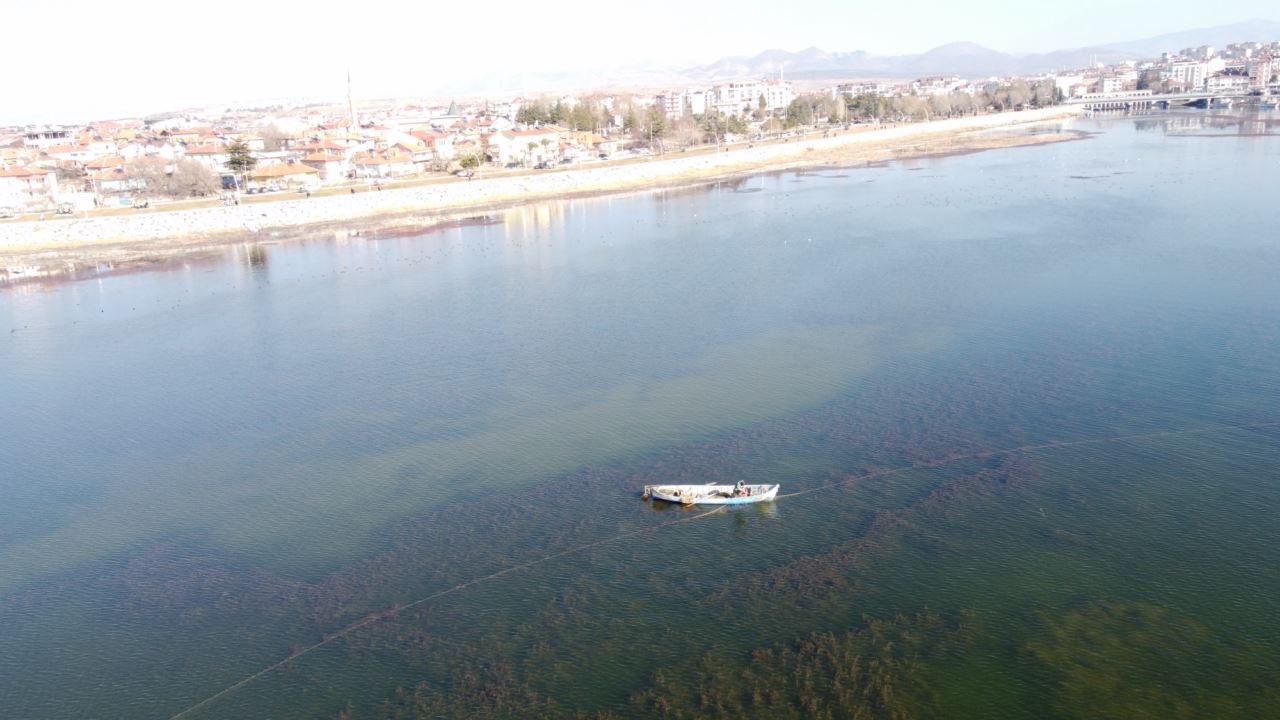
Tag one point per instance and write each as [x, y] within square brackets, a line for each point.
[711, 494]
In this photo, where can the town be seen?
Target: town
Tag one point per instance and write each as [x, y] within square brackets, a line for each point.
[186, 159]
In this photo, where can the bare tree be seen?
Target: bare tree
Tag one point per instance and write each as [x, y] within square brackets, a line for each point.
[191, 178]
[273, 138]
[185, 178]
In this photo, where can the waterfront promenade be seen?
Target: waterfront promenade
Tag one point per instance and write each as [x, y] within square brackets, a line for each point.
[68, 241]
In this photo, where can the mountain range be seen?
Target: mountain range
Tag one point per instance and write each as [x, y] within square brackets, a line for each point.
[970, 60]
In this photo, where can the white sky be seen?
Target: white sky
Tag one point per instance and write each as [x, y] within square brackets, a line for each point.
[71, 61]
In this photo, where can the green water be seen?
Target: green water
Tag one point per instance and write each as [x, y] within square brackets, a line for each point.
[1028, 396]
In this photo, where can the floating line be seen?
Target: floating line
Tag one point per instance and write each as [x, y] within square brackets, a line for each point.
[579, 548]
[434, 596]
[1022, 449]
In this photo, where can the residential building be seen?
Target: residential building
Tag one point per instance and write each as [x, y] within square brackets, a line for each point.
[1227, 82]
[25, 188]
[744, 97]
[44, 137]
[882, 89]
[1190, 74]
[524, 146]
[936, 85]
[1260, 71]
[286, 175]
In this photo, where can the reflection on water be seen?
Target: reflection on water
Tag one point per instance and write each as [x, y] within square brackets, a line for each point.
[1189, 123]
[1026, 398]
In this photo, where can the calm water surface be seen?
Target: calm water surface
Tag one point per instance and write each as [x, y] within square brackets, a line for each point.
[1029, 397]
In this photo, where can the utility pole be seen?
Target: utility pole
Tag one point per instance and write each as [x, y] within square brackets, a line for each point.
[351, 106]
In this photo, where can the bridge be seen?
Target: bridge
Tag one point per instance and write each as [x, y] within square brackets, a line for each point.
[1132, 99]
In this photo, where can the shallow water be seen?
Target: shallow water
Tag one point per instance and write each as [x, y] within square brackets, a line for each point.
[212, 466]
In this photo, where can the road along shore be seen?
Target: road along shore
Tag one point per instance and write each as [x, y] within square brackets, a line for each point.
[43, 248]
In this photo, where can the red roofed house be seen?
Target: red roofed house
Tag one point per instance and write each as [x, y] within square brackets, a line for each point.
[440, 144]
[108, 176]
[286, 175]
[524, 146]
[332, 166]
[22, 188]
[213, 156]
[391, 163]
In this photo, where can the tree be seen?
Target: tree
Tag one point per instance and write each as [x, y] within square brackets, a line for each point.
[533, 147]
[239, 160]
[868, 105]
[582, 118]
[273, 138]
[192, 178]
[799, 112]
[1044, 93]
[151, 173]
[713, 126]
[185, 178]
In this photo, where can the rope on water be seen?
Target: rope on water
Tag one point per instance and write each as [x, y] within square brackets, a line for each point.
[434, 596]
[1022, 449]
[579, 548]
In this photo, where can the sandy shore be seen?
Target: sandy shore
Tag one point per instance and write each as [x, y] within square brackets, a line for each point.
[33, 249]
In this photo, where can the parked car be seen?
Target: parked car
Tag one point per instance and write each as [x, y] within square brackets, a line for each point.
[7, 212]
[66, 208]
[566, 161]
[541, 166]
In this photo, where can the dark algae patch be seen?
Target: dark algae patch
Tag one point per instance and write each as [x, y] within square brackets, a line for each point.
[1108, 659]
[879, 670]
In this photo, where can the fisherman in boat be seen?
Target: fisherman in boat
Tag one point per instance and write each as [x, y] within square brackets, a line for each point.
[741, 489]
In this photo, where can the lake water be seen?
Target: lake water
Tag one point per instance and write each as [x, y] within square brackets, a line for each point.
[1029, 398]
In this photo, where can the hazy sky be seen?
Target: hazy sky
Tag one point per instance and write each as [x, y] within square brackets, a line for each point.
[72, 61]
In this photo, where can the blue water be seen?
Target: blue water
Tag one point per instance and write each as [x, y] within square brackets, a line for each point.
[212, 465]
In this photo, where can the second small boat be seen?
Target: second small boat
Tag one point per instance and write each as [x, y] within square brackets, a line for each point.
[740, 494]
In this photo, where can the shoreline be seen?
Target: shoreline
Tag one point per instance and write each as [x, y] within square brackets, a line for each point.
[55, 249]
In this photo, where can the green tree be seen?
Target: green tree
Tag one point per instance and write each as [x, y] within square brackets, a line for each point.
[582, 118]
[240, 160]
[799, 112]
[655, 129]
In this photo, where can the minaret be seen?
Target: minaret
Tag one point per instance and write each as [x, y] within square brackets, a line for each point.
[351, 106]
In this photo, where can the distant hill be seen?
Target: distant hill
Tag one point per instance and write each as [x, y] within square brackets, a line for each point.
[970, 59]
[966, 59]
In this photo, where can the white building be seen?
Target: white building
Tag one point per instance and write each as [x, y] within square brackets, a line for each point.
[863, 88]
[743, 97]
[1260, 70]
[1226, 83]
[937, 85]
[1110, 84]
[1190, 74]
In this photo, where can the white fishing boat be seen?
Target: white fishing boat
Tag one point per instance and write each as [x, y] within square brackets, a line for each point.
[740, 494]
